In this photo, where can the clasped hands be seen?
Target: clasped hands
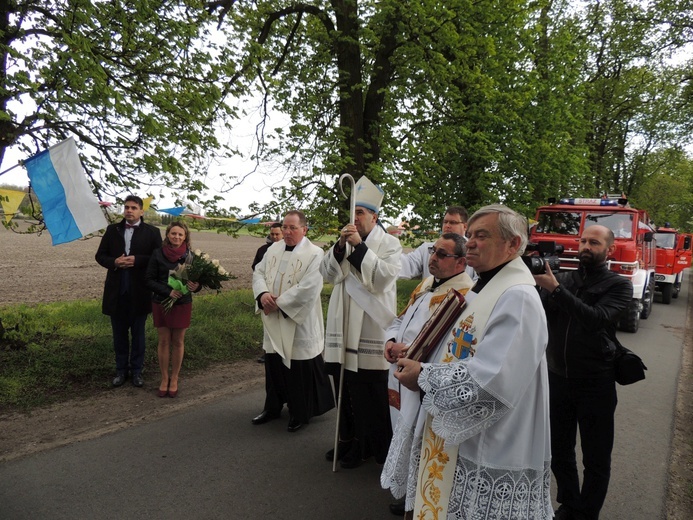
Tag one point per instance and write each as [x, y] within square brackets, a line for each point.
[269, 303]
[408, 371]
[395, 351]
[349, 234]
[125, 262]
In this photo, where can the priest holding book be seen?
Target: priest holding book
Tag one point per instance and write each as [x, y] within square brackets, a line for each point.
[480, 445]
[447, 264]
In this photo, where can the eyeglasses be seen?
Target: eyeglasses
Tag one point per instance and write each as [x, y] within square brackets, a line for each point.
[452, 222]
[291, 228]
[440, 254]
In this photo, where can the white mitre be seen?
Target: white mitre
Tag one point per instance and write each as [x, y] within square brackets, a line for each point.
[368, 195]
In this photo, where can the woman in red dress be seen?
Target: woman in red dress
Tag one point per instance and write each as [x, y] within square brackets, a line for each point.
[170, 325]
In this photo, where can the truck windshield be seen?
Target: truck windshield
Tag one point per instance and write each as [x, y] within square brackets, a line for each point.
[558, 222]
[665, 240]
[621, 224]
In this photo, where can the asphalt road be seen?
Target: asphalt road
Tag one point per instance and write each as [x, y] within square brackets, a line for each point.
[210, 462]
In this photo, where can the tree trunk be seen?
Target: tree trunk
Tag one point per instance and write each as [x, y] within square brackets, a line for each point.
[348, 55]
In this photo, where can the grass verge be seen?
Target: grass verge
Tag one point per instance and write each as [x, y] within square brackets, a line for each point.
[55, 352]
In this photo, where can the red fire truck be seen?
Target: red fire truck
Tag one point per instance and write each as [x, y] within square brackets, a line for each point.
[562, 222]
[673, 256]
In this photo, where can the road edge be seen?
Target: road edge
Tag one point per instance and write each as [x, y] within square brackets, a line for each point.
[679, 493]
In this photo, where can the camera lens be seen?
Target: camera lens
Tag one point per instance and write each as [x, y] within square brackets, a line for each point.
[554, 263]
[535, 264]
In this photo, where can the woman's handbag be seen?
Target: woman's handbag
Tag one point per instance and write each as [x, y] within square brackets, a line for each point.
[628, 365]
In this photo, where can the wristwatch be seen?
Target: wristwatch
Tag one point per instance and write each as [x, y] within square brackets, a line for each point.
[558, 290]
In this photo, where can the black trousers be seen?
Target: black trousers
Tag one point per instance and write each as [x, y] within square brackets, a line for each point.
[128, 337]
[365, 410]
[587, 404]
[304, 387]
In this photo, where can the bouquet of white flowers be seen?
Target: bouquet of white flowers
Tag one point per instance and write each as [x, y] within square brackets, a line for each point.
[199, 268]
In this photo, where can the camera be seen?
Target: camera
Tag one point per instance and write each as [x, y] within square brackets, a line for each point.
[548, 252]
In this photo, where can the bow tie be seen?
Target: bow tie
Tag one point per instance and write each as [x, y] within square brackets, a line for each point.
[128, 226]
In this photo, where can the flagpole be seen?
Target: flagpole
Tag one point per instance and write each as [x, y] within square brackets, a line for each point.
[20, 163]
[345, 323]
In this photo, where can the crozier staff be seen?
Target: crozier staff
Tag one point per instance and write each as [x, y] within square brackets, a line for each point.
[364, 286]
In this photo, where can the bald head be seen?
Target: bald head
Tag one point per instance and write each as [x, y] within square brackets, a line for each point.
[596, 244]
[604, 231]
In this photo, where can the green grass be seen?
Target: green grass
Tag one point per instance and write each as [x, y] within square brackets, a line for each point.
[58, 351]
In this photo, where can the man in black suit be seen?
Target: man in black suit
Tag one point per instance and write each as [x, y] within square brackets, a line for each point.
[124, 250]
[275, 235]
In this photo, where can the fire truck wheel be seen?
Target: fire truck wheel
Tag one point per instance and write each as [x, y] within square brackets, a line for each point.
[677, 285]
[648, 300]
[631, 320]
[667, 292]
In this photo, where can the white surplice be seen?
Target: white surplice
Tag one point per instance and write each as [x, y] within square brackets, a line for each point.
[371, 297]
[415, 263]
[295, 277]
[492, 409]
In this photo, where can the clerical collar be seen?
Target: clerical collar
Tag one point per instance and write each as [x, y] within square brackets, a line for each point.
[437, 283]
[288, 248]
[485, 277]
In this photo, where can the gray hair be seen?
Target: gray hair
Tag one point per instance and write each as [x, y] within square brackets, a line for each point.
[510, 223]
[460, 248]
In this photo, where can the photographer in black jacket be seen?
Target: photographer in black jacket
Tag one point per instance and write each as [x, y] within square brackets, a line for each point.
[582, 309]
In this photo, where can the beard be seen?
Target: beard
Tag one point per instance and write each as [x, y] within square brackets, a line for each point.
[590, 259]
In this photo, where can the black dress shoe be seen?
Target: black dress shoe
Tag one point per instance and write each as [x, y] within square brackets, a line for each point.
[137, 380]
[397, 508]
[119, 379]
[294, 425]
[342, 449]
[351, 462]
[563, 513]
[354, 458]
[264, 417]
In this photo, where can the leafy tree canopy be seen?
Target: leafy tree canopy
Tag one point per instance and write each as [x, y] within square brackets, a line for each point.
[136, 81]
[456, 102]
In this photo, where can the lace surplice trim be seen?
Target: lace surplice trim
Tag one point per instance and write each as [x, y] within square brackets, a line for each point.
[395, 474]
[402, 465]
[483, 492]
[413, 472]
[460, 407]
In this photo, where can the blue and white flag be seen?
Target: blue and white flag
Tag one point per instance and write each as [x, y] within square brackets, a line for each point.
[176, 212]
[69, 207]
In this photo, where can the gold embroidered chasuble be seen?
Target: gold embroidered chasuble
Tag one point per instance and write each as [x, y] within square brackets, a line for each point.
[485, 450]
